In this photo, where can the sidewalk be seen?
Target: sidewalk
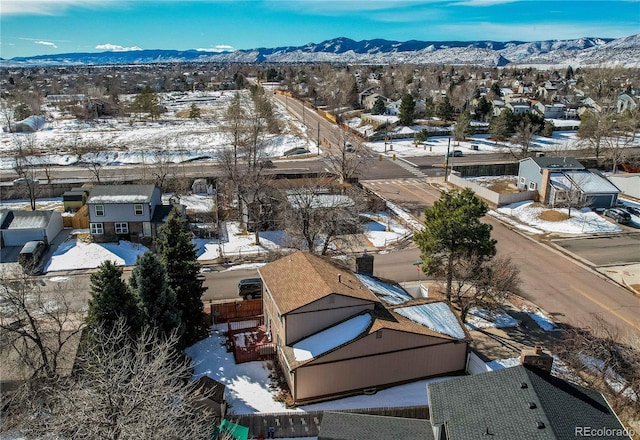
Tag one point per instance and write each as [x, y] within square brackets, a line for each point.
[628, 275]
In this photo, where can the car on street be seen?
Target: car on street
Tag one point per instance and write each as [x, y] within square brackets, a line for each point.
[296, 151]
[633, 210]
[250, 288]
[456, 153]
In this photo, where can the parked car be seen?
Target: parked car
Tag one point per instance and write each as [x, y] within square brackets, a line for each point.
[455, 153]
[349, 148]
[618, 215]
[31, 255]
[296, 151]
[250, 288]
[633, 210]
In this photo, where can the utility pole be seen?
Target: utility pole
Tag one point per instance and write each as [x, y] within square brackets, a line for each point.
[318, 139]
[446, 164]
[386, 127]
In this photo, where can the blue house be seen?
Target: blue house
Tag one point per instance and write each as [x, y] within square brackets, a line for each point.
[563, 180]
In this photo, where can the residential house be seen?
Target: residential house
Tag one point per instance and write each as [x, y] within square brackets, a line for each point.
[558, 179]
[29, 125]
[352, 426]
[551, 111]
[521, 402]
[628, 183]
[625, 103]
[338, 333]
[19, 227]
[126, 212]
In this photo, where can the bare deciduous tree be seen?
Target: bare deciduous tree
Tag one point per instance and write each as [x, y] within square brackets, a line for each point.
[24, 166]
[39, 326]
[347, 159]
[606, 362]
[122, 389]
[318, 213]
[483, 283]
[524, 134]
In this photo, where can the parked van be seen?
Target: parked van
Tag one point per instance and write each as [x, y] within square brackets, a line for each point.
[31, 255]
[618, 215]
[250, 288]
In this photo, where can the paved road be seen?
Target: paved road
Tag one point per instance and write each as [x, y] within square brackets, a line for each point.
[562, 286]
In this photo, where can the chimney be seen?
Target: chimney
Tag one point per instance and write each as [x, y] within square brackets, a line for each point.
[543, 197]
[537, 358]
[364, 264]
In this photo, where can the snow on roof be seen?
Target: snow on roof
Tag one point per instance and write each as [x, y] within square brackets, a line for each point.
[591, 183]
[389, 293]
[302, 200]
[331, 338]
[436, 316]
[120, 199]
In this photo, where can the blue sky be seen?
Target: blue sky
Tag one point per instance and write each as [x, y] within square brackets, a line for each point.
[38, 27]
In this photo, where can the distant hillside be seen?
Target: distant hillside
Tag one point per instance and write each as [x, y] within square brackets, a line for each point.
[578, 52]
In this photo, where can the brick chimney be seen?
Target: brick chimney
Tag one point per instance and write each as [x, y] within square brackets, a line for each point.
[537, 358]
[544, 187]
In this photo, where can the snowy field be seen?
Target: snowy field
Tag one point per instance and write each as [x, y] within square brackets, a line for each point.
[175, 138]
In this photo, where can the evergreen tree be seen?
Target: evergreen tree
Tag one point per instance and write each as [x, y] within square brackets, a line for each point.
[407, 108]
[146, 102]
[111, 299]
[194, 111]
[463, 127]
[178, 256]
[483, 109]
[547, 130]
[379, 108]
[156, 300]
[453, 232]
[445, 110]
[502, 126]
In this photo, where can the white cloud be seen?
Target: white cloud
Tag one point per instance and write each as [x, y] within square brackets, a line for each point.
[116, 48]
[43, 7]
[217, 48]
[46, 43]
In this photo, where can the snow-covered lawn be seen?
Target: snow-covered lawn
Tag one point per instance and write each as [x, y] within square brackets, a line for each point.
[482, 318]
[582, 221]
[382, 229]
[75, 254]
[249, 387]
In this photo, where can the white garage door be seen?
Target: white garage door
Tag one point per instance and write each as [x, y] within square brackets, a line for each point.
[18, 237]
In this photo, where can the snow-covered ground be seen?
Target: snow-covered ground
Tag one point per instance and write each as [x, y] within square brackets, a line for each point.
[248, 384]
[176, 138]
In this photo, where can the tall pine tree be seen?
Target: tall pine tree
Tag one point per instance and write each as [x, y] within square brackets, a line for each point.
[111, 299]
[178, 256]
[453, 232]
[407, 108]
[156, 300]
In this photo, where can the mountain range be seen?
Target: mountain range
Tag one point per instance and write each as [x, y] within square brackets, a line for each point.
[550, 53]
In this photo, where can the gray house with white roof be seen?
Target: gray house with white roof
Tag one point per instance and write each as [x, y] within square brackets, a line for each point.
[19, 227]
[558, 179]
[126, 212]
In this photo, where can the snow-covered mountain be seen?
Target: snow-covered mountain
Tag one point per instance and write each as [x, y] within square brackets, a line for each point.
[578, 52]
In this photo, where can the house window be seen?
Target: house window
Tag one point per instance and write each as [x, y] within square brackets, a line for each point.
[532, 186]
[99, 210]
[523, 180]
[137, 209]
[122, 228]
[96, 229]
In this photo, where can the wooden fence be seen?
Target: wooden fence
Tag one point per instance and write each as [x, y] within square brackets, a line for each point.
[224, 312]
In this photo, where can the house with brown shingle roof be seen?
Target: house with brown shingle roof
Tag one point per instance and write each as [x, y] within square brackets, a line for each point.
[340, 333]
